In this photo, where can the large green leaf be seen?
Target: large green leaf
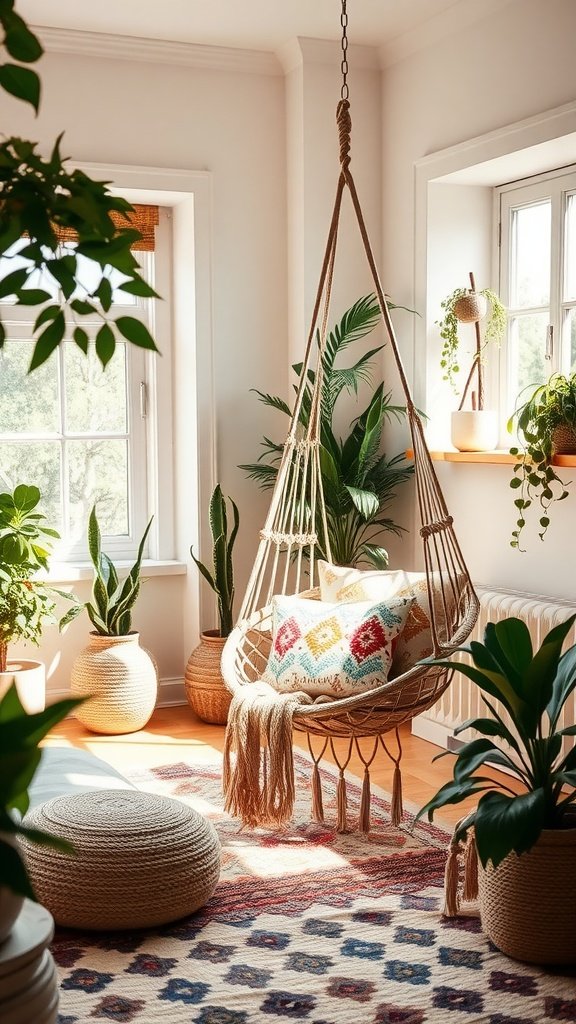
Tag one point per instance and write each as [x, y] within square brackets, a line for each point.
[508, 823]
[563, 685]
[476, 753]
[366, 502]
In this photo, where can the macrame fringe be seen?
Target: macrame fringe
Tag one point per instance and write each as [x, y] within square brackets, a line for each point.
[452, 880]
[397, 808]
[470, 890]
[259, 784]
[364, 823]
[342, 824]
[317, 805]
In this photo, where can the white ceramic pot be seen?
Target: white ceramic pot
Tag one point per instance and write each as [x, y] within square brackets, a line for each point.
[475, 430]
[121, 681]
[30, 679]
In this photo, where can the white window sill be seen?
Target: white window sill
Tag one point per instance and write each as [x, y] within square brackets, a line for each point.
[71, 572]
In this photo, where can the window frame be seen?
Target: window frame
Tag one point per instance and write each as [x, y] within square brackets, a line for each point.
[555, 185]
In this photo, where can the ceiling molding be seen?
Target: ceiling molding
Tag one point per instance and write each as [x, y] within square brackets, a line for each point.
[158, 51]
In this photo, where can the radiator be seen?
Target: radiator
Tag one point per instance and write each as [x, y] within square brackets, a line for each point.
[462, 700]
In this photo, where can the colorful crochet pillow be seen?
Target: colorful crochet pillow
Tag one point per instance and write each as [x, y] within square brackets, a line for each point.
[334, 649]
[341, 583]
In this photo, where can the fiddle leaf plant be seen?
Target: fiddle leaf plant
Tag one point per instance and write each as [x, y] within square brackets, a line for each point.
[27, 603]
[221, 579]
[358, 480]
[532, 689]
[43, 202]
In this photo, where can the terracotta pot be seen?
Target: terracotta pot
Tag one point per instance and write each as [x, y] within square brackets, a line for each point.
[528, 904]
[471, 308]
[474, 430]
[30, 679]
[205, 689]
[121, 681]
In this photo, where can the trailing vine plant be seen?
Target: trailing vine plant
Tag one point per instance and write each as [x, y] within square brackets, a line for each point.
[449, 324]
[39, 200]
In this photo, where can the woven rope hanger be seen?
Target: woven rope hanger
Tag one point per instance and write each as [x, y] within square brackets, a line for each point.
[296, 523]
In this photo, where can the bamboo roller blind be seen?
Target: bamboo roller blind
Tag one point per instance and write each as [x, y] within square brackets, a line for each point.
[144, 218]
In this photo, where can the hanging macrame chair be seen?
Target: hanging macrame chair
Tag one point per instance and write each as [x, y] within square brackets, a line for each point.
[296, 527]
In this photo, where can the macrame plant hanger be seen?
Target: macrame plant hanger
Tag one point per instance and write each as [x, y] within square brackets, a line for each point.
[296, 525]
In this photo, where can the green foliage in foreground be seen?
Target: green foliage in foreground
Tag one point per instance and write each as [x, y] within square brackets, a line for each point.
[20, 736]
[533, 688]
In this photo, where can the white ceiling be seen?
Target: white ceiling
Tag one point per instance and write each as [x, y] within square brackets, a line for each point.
[254, 24]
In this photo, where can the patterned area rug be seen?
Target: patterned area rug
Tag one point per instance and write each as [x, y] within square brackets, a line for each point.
[307, 925]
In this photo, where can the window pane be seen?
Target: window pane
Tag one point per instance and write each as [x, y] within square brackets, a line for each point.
[95, 398]
[570, 252]
[530, 269]
[29, 403]
[38, 463]
[528, 345]
[89, 273]
[98, 472]
[571, 336]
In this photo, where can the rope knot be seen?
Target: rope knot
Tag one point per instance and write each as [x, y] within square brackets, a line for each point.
[344, 122]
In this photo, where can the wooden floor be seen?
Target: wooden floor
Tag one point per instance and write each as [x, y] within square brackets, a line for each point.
[176, 734]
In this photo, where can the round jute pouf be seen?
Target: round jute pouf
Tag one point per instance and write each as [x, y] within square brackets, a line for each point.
[140, 859]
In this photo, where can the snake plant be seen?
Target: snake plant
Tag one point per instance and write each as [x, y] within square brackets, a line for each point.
[221, 579]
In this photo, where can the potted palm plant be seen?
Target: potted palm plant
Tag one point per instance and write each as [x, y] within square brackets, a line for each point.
[27, 603]
[524, 835]
[359, 482]
[116, 673]
[205, 687]
[545, 423]
[474, 429]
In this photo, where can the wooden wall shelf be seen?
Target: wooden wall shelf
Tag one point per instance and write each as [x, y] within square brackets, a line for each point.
[494, 458]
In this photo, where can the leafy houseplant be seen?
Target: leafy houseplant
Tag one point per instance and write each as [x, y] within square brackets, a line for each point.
[205, 688]
[43, 201]
[358, 481]
[116, 673]
[27, 604]
[110, 610]
[466, 305]
[20, 754]
[533, 689]
[541, 421]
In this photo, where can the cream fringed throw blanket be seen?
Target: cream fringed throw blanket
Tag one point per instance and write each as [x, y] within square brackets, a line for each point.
[259, 785]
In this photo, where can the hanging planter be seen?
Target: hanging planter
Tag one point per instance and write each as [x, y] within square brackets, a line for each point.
[475, 429]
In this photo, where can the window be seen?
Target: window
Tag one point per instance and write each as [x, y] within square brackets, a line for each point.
[80, 433]
[538, 279]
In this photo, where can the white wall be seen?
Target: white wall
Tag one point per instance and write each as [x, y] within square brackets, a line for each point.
[231, 124]
[507, 69]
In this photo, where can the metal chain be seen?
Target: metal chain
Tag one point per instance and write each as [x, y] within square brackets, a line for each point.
[344, 92]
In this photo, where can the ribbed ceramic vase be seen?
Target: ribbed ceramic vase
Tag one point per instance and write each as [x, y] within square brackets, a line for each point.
[205, 689]
[121, 681]
[528, 903]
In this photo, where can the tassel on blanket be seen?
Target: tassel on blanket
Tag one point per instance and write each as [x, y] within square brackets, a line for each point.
[397, 808]
[317, 805]
[341, 825]
[260, 718]
[451, 880]
[470, 891]
[364, 822]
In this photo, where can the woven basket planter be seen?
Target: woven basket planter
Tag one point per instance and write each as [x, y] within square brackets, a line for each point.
[205, 688]
[528, 904]
[471, 308]
[564, 439]
[121, 681]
